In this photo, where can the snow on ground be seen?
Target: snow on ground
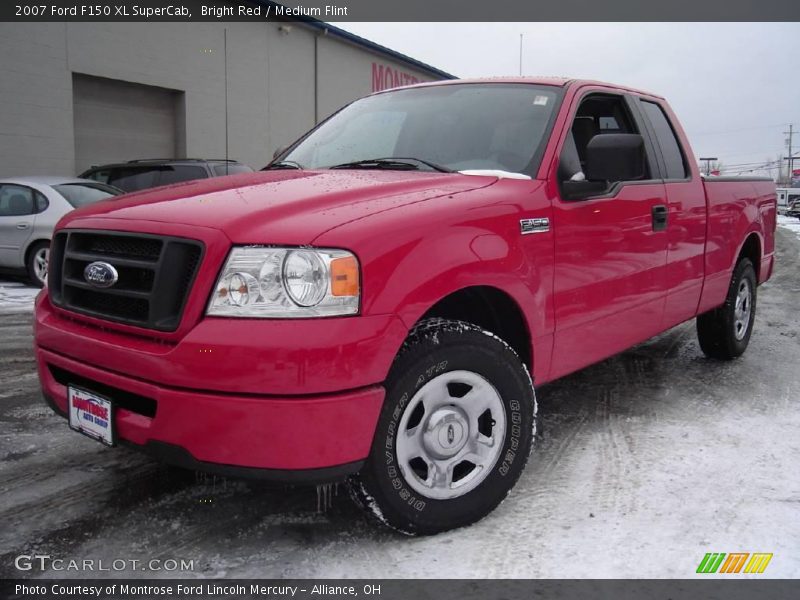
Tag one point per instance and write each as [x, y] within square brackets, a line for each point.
[16, 296]
[643, 463]
[790, 223]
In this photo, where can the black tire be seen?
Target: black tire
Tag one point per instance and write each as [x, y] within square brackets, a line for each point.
[717, 330]
[30, 264]
[434, 348]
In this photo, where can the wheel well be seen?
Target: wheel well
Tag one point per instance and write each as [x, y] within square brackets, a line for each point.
[31, 246]
[751, 250]
[490, 309]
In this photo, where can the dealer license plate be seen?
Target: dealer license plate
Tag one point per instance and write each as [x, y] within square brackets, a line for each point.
[91, 414]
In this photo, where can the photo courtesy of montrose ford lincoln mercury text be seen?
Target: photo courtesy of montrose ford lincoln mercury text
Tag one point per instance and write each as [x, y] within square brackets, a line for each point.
[378, 303]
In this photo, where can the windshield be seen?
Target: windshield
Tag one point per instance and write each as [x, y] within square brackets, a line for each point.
[460, 127]
[81, 194]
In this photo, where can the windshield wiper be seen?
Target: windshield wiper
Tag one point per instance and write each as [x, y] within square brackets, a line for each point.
[397, 163]
[283, 164]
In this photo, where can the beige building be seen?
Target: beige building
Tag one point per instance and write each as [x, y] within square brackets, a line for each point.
[75, 94]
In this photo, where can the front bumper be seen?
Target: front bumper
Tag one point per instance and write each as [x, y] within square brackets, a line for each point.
[291, 357]
[285, 397]
[308, 439]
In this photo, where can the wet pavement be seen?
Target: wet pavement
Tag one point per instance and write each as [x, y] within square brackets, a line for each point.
[643, 463]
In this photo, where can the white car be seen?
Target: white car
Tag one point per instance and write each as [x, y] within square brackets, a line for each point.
[30, 207]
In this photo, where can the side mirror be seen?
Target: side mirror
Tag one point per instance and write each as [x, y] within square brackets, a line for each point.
[615, 157]
[280, 150]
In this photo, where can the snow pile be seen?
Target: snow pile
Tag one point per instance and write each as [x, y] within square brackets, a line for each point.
[16, 297]
[790, 223]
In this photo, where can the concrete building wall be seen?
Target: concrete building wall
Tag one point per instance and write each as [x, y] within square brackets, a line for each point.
[291, 84]
[35, 100]
[117, 119]
[281, 79]
[189, 58]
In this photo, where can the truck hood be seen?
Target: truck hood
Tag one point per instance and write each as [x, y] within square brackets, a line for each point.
[291, 207]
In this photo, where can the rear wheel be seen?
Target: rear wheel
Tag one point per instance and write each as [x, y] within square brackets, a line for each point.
[38, 257]
[455, 431]
[725, 331]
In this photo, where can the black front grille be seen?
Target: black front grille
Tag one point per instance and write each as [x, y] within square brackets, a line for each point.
[122, 246]
[120, 398]
[155, 276]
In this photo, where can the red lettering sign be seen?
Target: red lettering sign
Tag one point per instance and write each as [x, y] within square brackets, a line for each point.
[90, 407]
[385, 77]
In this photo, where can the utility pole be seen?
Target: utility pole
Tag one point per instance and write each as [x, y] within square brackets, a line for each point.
[790, 164]
[520, 54]
[708, 163]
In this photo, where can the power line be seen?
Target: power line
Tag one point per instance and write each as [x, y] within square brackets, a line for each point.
[746, 154]
[723, 132]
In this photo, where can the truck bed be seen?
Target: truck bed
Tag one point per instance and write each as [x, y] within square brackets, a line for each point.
[738, 207]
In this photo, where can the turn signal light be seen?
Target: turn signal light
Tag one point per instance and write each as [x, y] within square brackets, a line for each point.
[344, 277]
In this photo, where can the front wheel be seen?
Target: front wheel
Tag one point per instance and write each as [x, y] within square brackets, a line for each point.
[454, 433]
[724, 332]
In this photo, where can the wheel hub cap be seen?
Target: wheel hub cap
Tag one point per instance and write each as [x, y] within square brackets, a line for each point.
[446, 432]
[450, 435]
[742, 309]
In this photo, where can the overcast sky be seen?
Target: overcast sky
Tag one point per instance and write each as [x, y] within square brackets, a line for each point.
[735, 86]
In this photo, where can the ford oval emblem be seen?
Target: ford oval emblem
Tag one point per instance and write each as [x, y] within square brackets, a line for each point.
[100, 274]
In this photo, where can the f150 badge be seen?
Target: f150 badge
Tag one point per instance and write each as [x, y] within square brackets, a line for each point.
[538, 225]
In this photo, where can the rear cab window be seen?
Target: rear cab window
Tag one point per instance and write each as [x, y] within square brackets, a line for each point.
[667, 140]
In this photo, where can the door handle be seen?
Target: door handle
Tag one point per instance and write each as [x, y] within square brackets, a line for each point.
[659, 213]
[23, 225]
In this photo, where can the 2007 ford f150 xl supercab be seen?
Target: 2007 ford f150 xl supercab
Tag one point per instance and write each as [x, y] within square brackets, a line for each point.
[376, 304]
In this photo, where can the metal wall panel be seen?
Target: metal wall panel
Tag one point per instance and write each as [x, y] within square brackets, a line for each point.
[117, 121]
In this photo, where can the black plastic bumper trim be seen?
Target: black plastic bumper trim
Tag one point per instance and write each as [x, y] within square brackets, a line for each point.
[181, 457]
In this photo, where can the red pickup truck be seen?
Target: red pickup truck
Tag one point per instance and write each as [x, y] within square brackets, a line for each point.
[376, 304]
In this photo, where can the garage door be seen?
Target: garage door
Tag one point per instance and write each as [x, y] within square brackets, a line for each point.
[117, 121]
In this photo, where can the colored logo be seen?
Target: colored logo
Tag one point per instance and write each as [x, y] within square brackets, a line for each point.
[735, 562]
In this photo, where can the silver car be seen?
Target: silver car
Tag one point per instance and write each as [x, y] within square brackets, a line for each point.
[30, 207]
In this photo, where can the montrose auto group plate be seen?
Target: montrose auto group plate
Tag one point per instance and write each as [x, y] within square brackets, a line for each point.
[91, 415]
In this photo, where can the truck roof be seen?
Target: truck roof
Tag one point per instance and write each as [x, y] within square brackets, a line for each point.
[545, 80]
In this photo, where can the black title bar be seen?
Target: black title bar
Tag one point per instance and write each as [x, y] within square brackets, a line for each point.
[402, 10]
[394, 589]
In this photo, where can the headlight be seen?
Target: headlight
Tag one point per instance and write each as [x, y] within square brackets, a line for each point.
[287, 283]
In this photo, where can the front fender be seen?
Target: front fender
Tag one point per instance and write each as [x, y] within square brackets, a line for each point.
[414, 256]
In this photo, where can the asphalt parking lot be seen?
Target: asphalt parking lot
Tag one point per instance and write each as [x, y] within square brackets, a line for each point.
[643, 464]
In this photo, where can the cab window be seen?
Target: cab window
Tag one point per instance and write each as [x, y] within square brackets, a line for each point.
[667, 141]
[597, 115]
